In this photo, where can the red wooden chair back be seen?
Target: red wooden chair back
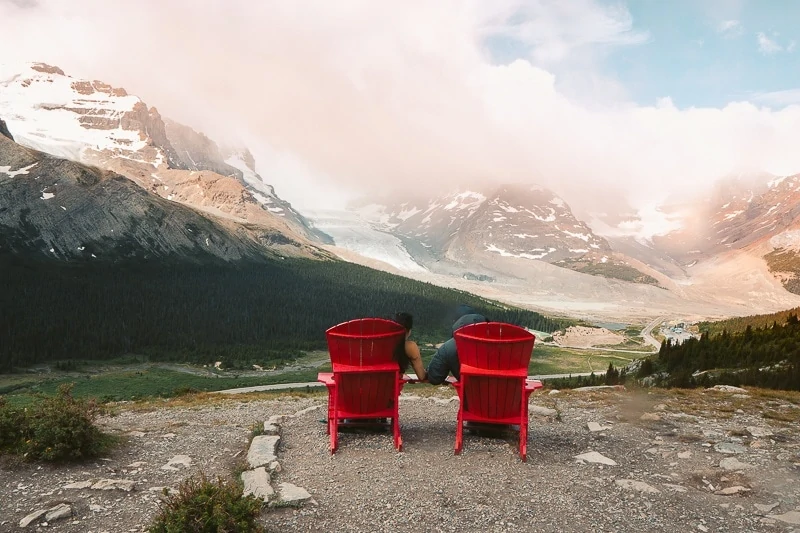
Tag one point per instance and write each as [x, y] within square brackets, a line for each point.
[495, 356]
[366, 380]
[494, 387]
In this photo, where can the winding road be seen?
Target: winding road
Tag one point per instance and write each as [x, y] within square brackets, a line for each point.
[648, 338]
[311, 384]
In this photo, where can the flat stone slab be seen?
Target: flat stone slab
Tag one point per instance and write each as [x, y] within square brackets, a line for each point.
[639, 486]
[596, 457]
[58, 512]
[759, 432]
[307, 410]
[257, 483]
[289, 494]
[114, 484]
[28, 520]
[178, 460]
[728, 388]
[733, 464]
[542, 411]
[792, 517]
[730, 491]
[52, 514]
[766, 507]
[80, 485]
[263, 450]
[729, 447]
[595, 427]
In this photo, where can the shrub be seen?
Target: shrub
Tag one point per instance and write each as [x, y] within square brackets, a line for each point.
[201, 506]
[55, 429]
[12, 425]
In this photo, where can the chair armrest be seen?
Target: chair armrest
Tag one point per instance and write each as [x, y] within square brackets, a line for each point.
[532, 384]
[326, 378]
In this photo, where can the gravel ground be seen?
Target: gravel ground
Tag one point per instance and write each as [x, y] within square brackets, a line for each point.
[671, 442]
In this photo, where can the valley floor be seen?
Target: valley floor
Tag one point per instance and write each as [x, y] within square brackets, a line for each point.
[675, 451]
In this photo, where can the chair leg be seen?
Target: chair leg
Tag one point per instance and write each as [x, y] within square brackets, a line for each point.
[523, 440]
[459, 429]
[398, 438]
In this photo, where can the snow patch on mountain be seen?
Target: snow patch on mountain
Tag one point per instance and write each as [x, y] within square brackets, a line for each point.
[353, 232]
[50, 111]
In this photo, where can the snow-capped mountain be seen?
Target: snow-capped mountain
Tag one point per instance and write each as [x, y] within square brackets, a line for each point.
[95, 123]
[64, 210]
[525, 222]
[735, 216]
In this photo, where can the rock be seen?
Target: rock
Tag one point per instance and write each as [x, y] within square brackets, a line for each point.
[256, 483]
[79, 485]
[542, 411]
[594, 427]
[684, 455]
[114, 484]
[600, 387]
[135, 434]
[137, 464]
[728, 491]
[59, 512]
[729, 447]
[676, 488]
[554, 391]
[758, 444]
[732, 463]
[792, 517]
[650, 416]
[765, 508]
[168, 436]
[728, 388]
[178, 460]
[289, 494]
[595, 457]
[25, 522]
[702, 528]
[307, 410]
[263, 450]
[272, 425]
[640, 486]
[274, 466]
[93, 507]
[759, 432]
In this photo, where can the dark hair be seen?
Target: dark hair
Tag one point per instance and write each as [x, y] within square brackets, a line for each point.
[400, 355]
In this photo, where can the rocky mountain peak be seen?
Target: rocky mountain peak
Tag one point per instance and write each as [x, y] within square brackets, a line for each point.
[4, 130]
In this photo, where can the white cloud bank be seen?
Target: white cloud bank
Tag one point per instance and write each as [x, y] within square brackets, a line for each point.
[354, 96]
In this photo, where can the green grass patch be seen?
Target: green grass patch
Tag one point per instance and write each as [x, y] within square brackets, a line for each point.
[144, 383]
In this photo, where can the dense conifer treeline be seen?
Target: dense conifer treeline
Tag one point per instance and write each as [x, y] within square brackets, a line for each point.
[739, 324]
[201, 313]
[767, 356]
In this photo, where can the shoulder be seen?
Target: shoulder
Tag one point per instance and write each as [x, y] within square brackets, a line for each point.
[412, 350]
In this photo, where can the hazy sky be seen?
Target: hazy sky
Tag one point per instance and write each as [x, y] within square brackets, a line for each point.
[603, 101]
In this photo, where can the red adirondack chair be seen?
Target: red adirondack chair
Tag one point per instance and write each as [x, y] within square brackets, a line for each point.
[494, 386]
[366, 380]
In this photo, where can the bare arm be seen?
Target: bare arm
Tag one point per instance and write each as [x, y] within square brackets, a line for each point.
[412, 351]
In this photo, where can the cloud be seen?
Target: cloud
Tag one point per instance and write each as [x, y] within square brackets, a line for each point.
[779, 98]
[354, 97]
[767, 45]
[730, 28]
[791, 46]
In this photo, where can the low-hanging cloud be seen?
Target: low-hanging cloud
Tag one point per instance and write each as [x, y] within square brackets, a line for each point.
[369, 97]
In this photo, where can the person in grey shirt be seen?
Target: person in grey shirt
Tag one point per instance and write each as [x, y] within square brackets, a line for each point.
[445, 360]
